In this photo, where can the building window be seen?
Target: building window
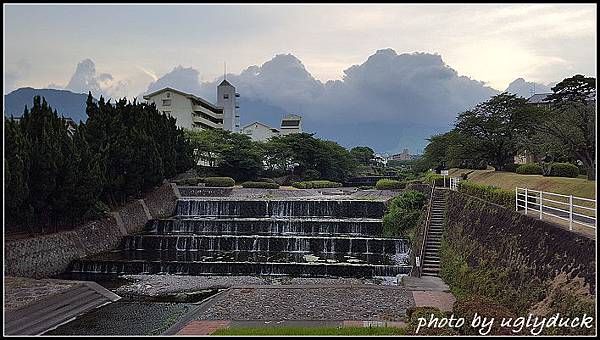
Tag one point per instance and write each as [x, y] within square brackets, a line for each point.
[226, 96]
[168, 94]
[166, 102]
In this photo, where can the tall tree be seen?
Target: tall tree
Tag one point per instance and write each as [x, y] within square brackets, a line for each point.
[570, 119]
[362, 154]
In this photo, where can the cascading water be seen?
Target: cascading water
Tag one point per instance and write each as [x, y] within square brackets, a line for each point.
[299, 237]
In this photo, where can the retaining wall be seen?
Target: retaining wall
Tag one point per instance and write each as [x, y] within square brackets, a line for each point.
[49, 255]
[507, 255]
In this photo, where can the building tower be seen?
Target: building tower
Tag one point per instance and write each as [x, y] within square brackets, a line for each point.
[227, 99]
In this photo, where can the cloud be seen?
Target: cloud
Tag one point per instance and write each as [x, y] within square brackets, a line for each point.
[181, 78]
[15, 73]
[526, 89]
[86, 79]
[414, 94]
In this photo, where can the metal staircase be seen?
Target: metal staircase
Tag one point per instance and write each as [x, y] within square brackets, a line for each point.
[431, 256]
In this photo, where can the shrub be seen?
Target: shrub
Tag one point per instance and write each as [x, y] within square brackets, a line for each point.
[563, 170]
[512, 167]
[389, 184]
[489, 193]
[311, 175]
[260, 185]
[529, 169]
[316, 184]
[403, 214]
[432, 177]
[219, 181]
[467, 307]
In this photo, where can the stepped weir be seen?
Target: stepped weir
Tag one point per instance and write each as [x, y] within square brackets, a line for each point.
[311, 237]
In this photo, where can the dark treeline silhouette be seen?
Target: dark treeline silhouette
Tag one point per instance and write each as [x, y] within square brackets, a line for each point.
[56, 178]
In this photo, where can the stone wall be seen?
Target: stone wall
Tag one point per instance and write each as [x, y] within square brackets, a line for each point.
[517, 260]
[49, 255]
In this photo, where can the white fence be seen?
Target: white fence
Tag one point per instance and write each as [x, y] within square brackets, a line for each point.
[575, 210]
[454, 183]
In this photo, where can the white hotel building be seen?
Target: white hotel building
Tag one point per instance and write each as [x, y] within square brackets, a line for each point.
[194, 113]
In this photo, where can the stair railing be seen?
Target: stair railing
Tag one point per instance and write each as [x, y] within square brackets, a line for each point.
[419, 259]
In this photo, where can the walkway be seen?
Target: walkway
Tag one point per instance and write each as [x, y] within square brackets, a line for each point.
[33, 306]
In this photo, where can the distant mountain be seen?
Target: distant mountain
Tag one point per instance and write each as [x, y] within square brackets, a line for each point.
[65, 102]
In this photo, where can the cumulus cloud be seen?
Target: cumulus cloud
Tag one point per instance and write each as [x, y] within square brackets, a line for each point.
[414, 94]
[526, 89]
[86, 79]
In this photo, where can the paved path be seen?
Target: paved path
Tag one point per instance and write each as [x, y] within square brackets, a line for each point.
[33, 307]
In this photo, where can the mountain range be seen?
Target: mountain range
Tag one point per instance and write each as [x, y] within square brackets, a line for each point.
[389, 102]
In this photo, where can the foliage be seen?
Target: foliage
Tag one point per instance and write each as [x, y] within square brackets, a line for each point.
[484, 307]
[563, 170]
[489, 193]
[403, 215]
[389, 184]
[219, 181]
[432, 177]
[362, 154]
[320, 184]
[511, 167]
[570, 119]
[529, 169]
[56, 178]
[311, 175]
[260, 185]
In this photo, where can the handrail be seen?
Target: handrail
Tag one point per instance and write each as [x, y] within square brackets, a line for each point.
[425, 231]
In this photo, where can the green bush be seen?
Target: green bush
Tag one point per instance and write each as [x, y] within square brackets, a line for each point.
[403, 215]
[512, 167]
[484, 307]
[219, 181]
[260, 185]
[389, 184]
[311, 175]
[529, 169]
[432, 177]
[320, 184]
[563, 170]
[503, 197]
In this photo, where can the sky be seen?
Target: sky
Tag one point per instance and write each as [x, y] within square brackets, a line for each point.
[387, 75]
[138, 43]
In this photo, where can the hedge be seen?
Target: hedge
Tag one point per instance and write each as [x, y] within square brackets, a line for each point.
[511, 167]
[529, 169]
[219, 181]
[503, 197]
[316, 184]
[432, 177]
[563, 170]
[260, 185]
[388, 184]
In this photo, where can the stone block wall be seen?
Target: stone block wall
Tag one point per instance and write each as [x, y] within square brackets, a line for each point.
[517, 260]
[48, 255]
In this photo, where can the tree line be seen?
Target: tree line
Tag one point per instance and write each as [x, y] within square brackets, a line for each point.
[298, 155]
[561, 129]
[55, 179]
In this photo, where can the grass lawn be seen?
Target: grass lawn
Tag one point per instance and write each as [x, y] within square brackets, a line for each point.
[312, 331]
[580, 187]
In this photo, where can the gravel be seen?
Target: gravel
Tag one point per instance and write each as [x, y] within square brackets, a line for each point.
[156, 285]
[310, 303]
